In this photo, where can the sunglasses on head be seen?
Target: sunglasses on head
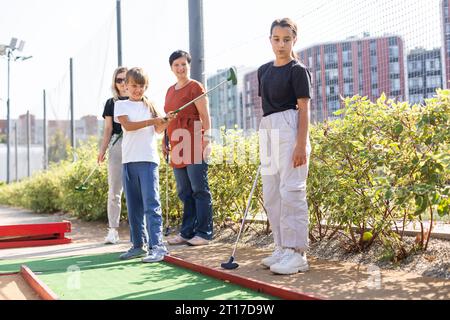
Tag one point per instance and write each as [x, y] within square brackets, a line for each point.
[120, 80]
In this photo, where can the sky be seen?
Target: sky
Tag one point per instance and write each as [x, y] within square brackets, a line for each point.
[236, 33]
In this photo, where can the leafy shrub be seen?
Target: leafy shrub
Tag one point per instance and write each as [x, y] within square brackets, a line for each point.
[383, 164]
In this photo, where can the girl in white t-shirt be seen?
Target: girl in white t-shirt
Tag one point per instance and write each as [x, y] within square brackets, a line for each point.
[140, 123]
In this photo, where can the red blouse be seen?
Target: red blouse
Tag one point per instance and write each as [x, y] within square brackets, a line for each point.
[185, 132]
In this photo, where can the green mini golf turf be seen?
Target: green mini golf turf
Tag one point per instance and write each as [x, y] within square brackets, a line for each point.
[105, 277]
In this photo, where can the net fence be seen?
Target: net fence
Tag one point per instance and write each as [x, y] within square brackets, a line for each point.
[365, 47]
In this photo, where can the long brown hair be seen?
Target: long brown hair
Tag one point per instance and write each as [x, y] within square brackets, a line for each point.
[140, 77]
[286, 23]
[115, 92]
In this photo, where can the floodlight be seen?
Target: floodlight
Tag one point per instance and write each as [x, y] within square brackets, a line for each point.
[12, 44]
[22, 43]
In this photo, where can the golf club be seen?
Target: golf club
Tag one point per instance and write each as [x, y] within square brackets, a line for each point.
[232, 76]
[166, 142]
[83, 186]
[231, 265]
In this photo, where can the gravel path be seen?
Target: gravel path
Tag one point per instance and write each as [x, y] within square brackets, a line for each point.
[435, 262]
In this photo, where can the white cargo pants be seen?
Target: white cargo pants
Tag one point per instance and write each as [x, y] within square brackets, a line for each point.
[115, 183]
[284, 187]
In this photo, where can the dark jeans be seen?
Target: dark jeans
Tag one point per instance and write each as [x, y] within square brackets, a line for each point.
[193, 190]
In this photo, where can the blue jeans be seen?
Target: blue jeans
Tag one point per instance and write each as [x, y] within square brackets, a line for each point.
[141, 186]
[193, 190]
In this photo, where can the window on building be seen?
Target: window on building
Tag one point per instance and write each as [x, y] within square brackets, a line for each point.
[415, 83]
[394, 52]
[395, 85]
[374, 78]
[348, 72]
[393, 41]
[375, 92]
[348, 89]
[373, 48]
[319, 111]
[332, 90]
[433, 65]
[347, 46]
[373, 61]
[319, 92]
[394, 68]
[414, 66]
[331, 74]
[434, 82]
[318, 77]
[330, 58]
[347, 56]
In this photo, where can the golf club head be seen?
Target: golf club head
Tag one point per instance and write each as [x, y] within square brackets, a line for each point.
[233, 76]
[230, 265]
[81, 188]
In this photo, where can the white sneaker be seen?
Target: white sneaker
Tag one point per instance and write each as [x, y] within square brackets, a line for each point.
[291, 263]
[155, 255]
[112, 237]
[274, 258]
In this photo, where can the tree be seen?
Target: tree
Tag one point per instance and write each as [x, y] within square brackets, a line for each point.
[58, 147]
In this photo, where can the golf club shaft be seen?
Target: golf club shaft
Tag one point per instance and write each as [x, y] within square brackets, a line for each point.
[247, 209]
[106, 152]
[166, 142]
[90, 174]
[199, 97]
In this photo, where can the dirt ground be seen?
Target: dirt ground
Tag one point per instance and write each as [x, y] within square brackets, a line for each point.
[326, 279]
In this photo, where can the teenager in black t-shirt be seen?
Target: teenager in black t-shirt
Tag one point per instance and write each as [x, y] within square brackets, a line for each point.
[111, 131]
[284, 87]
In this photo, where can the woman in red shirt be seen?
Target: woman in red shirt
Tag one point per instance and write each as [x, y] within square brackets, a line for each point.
[189, 148]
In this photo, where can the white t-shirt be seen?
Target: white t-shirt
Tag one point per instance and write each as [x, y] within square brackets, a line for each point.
[140, 145]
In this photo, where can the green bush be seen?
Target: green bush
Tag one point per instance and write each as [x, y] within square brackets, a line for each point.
[41, 193]
[89, 204]
[233, 166]
[382, 164]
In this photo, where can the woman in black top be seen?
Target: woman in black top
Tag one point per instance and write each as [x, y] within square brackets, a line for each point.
[111, 131]
[284, 87]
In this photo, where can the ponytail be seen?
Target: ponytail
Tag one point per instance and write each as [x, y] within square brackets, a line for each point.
[151, 107]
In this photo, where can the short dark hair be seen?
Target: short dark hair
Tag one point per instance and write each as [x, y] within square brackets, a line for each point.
[178, 54]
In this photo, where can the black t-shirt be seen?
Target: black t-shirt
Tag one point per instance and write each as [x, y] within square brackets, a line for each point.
[109, 112]
[280, 87]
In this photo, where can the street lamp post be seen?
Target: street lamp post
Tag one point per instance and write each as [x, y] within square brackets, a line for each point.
[8, 123]
[8, 51]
